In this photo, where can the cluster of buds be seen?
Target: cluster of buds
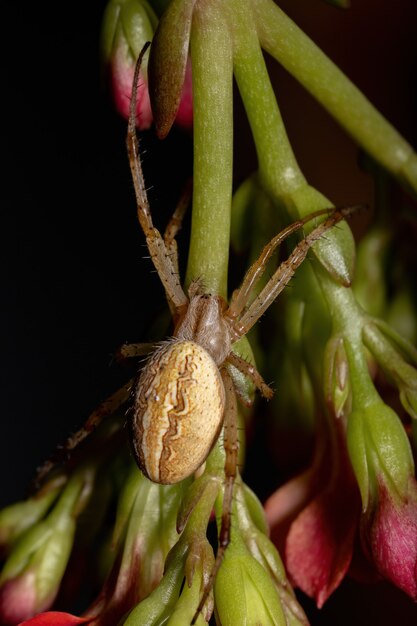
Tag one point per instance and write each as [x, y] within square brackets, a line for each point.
[154, 563]
[154, 576]
[360, 487]
[127, 26]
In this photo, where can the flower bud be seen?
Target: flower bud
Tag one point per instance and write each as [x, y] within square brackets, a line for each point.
[19, 517]
[127, 26]
[244, 592]
[335, 251]
[389, 534]
[379, 450]
[254, 532]
[176, 598]
[170, 70]
[31, 576]
[144, 533]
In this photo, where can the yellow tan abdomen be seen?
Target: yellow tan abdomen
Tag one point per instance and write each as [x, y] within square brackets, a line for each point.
[178, 411]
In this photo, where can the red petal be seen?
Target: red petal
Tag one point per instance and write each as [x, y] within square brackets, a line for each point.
[319, 546]
[55, 618]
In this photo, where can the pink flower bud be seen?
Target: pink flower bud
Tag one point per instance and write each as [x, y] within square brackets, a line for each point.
[122, 70]
[389, 534]
[18, 599]
[127, 26]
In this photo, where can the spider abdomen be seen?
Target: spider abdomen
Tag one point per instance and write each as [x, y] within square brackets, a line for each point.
[178, 411]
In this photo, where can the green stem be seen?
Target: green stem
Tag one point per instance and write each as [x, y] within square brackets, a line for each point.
[348, 321]
[277, 164]
[211, 54]
[279, 172]
[325, 81]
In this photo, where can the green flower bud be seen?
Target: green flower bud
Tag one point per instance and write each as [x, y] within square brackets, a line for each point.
[32, 574]
[187, 569]
[335, 251]
[379, 449]
[244, 592]
[127, 26]
[19, 517]
[168, 64]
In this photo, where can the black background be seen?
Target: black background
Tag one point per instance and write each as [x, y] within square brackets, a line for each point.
[74, 284]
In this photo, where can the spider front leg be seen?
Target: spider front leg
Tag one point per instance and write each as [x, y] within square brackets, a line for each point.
[231, 449]
[241, 296]
[158, 250]
[280, 279]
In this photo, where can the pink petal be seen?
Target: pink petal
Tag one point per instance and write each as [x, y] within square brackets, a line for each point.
[285, 504]
[319, 545]
[55, 618]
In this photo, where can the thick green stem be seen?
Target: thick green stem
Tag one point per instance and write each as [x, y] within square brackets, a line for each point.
[211, 54]
[325, 81]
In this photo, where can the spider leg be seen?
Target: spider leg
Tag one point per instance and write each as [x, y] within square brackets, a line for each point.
[175, 223]
[156, 245]
[284, 273]
[251, 372]
[172, 229]
[133, 350]
[241, 295]
[231, 447]
[105, 409]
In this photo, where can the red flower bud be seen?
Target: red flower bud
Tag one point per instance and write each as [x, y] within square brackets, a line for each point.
[127, 27]
[18, 598]
[389, 535]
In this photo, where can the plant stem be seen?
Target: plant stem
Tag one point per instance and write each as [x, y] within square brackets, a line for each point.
[325, 81]
[211, 53]
[277, 163]
[279, 172]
